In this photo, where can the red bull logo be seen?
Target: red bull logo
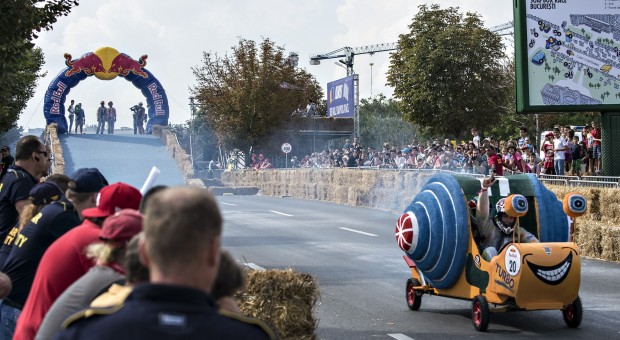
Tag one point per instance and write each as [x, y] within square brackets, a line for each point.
[106, 63]
[123, 64]
[89, 64]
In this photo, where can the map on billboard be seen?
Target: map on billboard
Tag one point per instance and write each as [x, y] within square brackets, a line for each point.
[573, 52]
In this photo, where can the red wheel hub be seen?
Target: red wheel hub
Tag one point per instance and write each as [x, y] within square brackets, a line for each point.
[570, 312]
[477, 313]
[410, 294]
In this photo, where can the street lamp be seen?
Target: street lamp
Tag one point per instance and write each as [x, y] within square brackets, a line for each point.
[192, 106]
[371, 79]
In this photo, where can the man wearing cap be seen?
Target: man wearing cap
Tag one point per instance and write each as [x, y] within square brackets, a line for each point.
[52, 222]
[108, 254]
[102, 116]
[31, 161]
[181, 248]
[7, 160]
[41, 195]
[65, 260]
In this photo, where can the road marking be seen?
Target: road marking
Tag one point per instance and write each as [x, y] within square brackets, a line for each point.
[234, 205]
[254, 266]
[357, 231]
[280, 213]
[400, 336]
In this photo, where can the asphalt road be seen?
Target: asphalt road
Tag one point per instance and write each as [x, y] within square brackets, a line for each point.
[361, 273]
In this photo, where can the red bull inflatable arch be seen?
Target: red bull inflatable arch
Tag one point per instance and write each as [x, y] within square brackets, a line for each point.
[106, 63]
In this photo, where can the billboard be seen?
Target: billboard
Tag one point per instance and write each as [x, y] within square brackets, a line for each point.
[340, 98]
[567, 55]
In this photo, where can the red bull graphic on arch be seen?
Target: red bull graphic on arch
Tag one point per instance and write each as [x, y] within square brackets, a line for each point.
[105, 63]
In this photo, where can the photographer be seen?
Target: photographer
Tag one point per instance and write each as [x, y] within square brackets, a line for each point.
[138, 118]
[476, 163]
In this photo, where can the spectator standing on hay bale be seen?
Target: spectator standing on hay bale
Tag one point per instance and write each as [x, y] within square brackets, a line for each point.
[178, 299]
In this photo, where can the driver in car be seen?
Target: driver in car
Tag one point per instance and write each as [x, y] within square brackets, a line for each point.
[496, 231]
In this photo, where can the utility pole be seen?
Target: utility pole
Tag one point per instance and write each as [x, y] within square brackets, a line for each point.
[192, 106]
[371, 79]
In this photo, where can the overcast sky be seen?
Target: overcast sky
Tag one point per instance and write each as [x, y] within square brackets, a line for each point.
[175, 33]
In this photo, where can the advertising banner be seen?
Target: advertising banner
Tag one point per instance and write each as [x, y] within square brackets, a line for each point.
[340, 98]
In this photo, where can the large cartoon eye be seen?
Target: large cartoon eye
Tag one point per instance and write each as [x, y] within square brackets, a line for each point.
[516, 205]
[574, 204]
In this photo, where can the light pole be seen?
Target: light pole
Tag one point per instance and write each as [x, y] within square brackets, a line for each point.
[192, 106]
[371, 79]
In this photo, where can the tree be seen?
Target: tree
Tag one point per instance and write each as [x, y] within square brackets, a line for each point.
[451, 73]
[381, 121]
[20, 23]
[11, 137]
[248, 95]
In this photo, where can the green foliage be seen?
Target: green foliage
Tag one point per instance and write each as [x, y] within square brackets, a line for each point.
[204, 143]
[248, 95]
[11, 137]
[381, 121]
[20, 22]
[450, 73]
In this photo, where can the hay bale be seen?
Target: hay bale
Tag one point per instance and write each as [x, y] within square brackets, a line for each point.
[283, 298]
[610, 243]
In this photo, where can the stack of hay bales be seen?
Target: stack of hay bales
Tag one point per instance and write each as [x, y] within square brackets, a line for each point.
[51, 138]
[597, 234]
[598, 231]
[284, 299]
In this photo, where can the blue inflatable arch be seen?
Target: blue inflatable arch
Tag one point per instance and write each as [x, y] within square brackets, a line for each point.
[105, 63]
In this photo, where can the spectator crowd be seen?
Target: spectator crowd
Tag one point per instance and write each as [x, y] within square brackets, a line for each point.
[561, 152]
[85, 259]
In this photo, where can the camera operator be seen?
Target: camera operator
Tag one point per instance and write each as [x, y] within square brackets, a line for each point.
[138, 118]
[476, 163]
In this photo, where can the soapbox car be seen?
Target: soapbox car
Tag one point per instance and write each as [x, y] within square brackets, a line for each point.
[439, 234]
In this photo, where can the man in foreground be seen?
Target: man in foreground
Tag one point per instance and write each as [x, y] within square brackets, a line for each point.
[181, 248]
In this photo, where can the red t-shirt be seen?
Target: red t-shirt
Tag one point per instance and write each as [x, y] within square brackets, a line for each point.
[62, 264]
[596, 133]
[497, 160]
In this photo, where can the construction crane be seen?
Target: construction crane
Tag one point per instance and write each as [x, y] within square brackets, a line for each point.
[499, 29]
[348, 53]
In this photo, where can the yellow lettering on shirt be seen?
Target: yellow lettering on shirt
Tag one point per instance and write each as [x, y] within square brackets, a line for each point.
[1, 185]
[11, 236]
[36, 218]
[20, 240]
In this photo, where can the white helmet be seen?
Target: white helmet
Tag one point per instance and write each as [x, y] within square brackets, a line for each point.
[499, 223]
[499, 206]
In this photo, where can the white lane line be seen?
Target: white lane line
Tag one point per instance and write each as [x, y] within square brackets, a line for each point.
[400, 336]
[234, 205]
[254, 266]
[280, 213]
[357, 231]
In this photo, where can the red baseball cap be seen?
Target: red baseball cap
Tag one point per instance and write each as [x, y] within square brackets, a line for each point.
[113, 198]
[121, 226]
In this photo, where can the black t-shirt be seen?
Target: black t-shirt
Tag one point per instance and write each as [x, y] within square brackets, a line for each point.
[6, 163]
[7, 245]
[15, 186]
[31, 243]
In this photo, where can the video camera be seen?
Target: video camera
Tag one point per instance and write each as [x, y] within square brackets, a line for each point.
[134, 108]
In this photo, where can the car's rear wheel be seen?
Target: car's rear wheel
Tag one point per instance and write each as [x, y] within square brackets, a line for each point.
[414, 297]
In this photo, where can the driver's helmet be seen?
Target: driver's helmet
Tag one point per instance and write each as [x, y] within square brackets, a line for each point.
[500, 208]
